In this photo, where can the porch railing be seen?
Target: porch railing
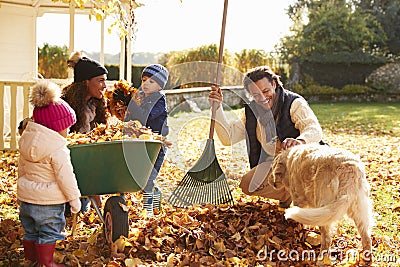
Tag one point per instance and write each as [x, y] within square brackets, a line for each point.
[9, 110]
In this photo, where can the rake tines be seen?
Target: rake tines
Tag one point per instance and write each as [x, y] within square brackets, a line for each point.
[205, 182]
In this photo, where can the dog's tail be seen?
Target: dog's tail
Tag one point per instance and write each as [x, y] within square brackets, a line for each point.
[319, 216]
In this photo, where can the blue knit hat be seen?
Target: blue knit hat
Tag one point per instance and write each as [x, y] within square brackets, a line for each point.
[156, 72]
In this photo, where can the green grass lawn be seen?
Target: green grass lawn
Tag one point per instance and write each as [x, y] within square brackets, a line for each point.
[359, 118]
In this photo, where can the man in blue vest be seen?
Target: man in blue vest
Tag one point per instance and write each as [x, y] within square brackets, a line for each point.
[274, 119]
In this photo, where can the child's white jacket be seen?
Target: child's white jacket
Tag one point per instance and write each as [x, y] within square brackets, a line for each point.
[45, 172]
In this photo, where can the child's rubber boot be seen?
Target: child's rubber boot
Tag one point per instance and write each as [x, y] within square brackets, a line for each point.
[30, 251]
[148, 203]
[45, 255]
[157, 201]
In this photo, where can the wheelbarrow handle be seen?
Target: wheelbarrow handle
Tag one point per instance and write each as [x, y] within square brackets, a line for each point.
[75, 215]
[74, 222]
[94, 203]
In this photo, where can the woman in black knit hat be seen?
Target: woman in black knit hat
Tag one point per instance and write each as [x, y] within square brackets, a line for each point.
[86, 97]
[85, 94]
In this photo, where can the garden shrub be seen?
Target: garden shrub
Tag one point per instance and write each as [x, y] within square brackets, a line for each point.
[316, 89]
[297, 88]
[113, 74]
[353, 89]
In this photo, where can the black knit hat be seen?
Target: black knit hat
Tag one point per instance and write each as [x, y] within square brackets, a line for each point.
[87, 69]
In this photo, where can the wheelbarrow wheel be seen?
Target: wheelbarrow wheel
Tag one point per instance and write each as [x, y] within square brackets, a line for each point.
[115, 218]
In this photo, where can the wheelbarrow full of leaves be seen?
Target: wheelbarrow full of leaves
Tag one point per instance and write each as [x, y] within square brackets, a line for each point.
[113, 167]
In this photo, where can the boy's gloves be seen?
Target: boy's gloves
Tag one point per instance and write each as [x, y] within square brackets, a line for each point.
[75, 205]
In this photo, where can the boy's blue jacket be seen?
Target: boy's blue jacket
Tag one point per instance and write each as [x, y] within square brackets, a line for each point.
[152, 113]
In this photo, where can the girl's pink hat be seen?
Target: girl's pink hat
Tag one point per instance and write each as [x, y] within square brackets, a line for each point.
[49, 109]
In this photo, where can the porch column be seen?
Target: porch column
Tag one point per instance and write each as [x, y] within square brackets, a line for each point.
[102, 43]
[71, 33]
[122, 60]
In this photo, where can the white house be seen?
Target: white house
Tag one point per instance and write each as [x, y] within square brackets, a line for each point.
[18, 48]
[19, 58]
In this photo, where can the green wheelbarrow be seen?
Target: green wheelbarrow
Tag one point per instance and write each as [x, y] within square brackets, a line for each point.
[115, 167]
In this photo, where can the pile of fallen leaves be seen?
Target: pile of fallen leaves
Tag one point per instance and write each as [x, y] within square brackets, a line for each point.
[210, 236]
[252, 232]
[117, 130]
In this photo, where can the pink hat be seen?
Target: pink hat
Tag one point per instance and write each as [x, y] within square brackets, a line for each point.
[56, 116]
[50, 110]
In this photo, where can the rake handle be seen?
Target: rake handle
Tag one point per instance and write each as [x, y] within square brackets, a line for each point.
[217, 79]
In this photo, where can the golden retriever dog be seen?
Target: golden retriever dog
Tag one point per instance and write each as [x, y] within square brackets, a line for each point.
[325, 184]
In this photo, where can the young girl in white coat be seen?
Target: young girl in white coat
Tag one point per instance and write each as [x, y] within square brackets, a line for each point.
[46, 180]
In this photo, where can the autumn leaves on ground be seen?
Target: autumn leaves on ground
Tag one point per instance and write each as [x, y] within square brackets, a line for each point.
[252, 232]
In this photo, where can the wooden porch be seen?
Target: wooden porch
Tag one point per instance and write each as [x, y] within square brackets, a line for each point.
[9, 110]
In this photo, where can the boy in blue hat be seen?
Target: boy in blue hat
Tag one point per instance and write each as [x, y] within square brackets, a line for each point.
[152, 113]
